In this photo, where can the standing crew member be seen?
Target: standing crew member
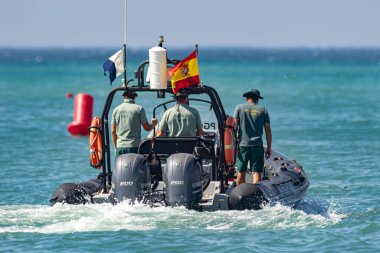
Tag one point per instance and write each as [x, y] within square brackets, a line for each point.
[251, 119]
[127, 119]
[181, 120]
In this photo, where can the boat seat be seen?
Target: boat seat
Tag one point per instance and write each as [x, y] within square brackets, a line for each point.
[166, 146]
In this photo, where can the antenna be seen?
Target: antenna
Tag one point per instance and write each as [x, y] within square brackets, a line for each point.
[161, 41]
[125, 45]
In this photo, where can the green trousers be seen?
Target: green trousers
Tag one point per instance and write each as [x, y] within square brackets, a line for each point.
[121, 151]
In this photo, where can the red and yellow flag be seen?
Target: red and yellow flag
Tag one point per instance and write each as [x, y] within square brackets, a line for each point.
[185, 73]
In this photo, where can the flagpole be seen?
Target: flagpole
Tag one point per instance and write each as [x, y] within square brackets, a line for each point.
[196, 53]
[125, 45]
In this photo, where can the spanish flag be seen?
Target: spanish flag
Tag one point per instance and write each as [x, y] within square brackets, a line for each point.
[185, 73]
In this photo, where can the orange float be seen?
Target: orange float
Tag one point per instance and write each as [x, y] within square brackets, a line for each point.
[96, 150]
[230, 141]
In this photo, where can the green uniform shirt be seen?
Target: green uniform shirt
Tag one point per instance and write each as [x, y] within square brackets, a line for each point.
[251, 118]
[128, 118]
[181, 120]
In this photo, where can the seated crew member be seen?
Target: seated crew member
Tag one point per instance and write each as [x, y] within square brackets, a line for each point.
[127, 119]
[181, 120]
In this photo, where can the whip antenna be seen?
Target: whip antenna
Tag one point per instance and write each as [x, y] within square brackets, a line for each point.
[125, 45]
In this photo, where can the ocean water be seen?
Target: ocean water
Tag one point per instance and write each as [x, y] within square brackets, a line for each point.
[325, 113]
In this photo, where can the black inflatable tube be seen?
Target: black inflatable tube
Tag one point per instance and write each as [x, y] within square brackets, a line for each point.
[71, 193]
[246, 196]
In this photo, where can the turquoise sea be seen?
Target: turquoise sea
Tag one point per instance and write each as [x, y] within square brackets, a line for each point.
[325, 113]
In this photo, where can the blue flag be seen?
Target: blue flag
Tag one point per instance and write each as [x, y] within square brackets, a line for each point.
[114, 65]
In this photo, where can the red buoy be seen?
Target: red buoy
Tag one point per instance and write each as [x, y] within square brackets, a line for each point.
[69, 95]
[83, 104]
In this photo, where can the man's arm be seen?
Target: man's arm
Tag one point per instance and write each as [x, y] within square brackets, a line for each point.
[163, 126]
[114, 135]
[236, 117]
[199, 124]
[148, 127]
[236, 122]
[160, 133]
[268, 135]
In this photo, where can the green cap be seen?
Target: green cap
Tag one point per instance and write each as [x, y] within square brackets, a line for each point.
[252, 93]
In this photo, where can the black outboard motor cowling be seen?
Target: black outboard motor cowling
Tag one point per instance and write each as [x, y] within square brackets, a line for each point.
[130, 178]
[182, 181]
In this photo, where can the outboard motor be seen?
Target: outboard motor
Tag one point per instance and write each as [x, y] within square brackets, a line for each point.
[130, 178]
[182, 181]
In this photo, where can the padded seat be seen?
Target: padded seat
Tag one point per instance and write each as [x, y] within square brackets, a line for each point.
[168, 145]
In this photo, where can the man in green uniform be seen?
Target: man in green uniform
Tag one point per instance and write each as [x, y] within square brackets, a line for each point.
[251, 119]
[181, 120]
[127, 120]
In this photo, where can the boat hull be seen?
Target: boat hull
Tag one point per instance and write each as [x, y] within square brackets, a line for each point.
[284, 181]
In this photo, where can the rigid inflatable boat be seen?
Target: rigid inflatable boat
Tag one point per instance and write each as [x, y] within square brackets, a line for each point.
[195, 172]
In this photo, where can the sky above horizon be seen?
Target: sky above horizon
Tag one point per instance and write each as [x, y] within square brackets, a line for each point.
[209, 23]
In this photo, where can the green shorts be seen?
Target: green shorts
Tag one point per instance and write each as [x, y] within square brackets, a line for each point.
[253, 155]
[121, 151]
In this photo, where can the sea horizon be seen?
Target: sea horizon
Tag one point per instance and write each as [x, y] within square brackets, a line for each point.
[254, 54]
